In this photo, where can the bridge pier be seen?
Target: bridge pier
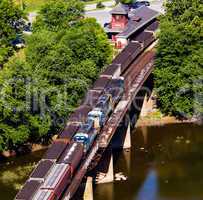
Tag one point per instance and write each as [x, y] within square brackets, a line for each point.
[127, 139]
[88, 193]
[106, 175]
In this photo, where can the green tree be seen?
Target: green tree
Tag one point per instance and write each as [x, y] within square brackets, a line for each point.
[38, 94]
[179, 66]
[126, 1]
[60, 14]
[9, 15]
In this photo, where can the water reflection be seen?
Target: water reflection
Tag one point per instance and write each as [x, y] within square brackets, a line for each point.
[149, 189]
[164, 163]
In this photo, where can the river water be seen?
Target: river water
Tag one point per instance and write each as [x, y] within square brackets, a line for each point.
[164, 163]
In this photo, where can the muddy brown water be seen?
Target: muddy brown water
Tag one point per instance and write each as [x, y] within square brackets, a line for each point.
[164, 163]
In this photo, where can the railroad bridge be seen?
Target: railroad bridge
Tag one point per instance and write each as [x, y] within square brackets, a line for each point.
[75, 154]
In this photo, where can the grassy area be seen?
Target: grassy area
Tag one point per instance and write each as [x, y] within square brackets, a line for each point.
[31, 5]
[94, 1]
[34, 5]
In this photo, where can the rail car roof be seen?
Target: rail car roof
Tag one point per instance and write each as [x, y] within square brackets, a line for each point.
[55, 175]
[100, 83]
[145, 14]
[43, 194]
[111, 70]
[143, 36]
[42, 169]
[55, 150]
[28, 190]
[80, 114]
[129, 50]
[92, 97]
[69, 131]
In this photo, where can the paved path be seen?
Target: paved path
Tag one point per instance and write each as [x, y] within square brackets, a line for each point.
[103, 16]
[89, 7]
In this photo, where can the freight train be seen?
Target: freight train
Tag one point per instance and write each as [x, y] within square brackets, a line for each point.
[57, 167]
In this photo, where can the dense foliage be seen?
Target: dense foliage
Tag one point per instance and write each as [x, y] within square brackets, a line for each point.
[179, 64]
[9, 15]
[126, 1]
[62, 59]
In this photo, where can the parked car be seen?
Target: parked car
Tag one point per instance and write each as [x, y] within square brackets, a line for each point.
[27, 29]
[138, 4]
[18, 43]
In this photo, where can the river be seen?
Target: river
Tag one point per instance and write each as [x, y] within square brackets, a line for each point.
[164, 163]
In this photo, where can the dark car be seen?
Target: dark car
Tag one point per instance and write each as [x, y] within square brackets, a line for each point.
[18, 43]
[138, 4]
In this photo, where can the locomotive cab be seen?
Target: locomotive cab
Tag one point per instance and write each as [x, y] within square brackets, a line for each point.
[86, 135]
[100, 113]
[97, 117]
[82, 138]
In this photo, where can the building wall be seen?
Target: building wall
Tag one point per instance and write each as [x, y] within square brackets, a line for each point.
[119, 21]
[121, 43]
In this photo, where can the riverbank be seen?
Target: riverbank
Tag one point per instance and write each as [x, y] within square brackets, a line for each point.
[24, 150]
[164, 120]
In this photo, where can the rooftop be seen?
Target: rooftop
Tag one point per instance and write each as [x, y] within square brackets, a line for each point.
[137, 18]
[120, 9]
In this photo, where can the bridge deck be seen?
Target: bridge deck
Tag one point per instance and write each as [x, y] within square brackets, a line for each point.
[134, 81]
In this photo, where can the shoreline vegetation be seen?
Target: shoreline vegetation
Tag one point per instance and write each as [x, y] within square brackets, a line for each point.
[152, 119]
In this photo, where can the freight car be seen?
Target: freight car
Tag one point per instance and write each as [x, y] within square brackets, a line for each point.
[69, 131]
[45, 194]
[112, 71]
[79, 116]
[144, 38]
[42, 170]
[126, 57]
[72, 155]
[57, 180]
[28, 191]
[101, 83]
[55, 150]
[92, 97]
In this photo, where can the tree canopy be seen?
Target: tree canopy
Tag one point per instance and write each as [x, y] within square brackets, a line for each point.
[179, 63]
[9, 15]
[56, 15]
[38, 94]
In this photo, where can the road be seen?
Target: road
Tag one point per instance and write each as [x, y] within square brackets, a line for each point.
[89, 7]
[103, 16]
